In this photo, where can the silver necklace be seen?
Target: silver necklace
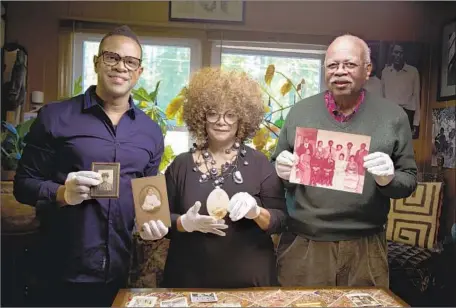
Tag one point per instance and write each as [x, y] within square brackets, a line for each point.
[229, 168]
[218, 200]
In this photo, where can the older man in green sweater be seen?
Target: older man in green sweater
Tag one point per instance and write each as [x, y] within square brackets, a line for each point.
[337, 238]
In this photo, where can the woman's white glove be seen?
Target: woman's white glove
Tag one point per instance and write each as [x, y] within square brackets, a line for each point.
[193, 221]
[243, 205]
[153, 230]
[77, 186]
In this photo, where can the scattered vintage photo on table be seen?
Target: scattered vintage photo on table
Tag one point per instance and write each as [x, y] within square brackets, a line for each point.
[143, 301]
[330, 159]
[151, 200]
[110, 176]
[227, 305]
[363, 300]
[175, 302]
[203, 297]
[308, 304]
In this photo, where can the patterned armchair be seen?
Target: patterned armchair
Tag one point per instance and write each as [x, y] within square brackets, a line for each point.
[417, 257]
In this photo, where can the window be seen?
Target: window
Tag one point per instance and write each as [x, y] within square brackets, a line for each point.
[295, 61]
[170, 61]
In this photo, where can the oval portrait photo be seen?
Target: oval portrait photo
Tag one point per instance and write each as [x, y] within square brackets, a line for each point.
[150, 198]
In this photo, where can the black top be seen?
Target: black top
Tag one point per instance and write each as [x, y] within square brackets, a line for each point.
[245, 256]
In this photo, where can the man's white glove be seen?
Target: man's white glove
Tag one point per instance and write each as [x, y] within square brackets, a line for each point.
[283, 164]
[153, 230]
[243, 205]
[77, 186]
[193, 221]
[380, 166]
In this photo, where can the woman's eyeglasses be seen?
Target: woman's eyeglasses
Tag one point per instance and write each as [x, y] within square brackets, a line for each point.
[229, 117]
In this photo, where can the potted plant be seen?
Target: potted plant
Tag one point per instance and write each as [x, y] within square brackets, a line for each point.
[12, 144]
[16, 217]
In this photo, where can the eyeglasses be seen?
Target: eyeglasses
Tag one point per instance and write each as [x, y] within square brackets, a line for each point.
[112, 59]
[229, 116]
[346, 66]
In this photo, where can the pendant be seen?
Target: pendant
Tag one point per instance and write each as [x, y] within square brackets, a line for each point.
[203, 178]
[237, 177]
[217, 203]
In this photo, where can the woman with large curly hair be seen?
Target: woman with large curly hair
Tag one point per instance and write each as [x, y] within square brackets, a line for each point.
[225, 198]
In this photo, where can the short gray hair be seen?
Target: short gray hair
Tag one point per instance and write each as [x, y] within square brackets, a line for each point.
[365, 47]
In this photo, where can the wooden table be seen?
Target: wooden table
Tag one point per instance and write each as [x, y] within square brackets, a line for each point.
[268, 297]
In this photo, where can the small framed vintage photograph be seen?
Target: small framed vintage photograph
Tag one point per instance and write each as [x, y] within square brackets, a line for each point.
[110, 176]
[151, 200]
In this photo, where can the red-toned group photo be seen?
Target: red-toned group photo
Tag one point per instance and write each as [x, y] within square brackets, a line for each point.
[330, 159]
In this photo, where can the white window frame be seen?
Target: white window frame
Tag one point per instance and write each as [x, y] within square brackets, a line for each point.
[276, 49]
[193, 44]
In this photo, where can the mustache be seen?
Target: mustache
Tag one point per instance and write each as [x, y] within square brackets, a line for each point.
[337, 80]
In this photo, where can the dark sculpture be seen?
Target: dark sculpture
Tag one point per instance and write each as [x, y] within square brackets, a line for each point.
[14, 86]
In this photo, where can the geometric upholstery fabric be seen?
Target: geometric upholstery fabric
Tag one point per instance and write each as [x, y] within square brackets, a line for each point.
[415, 220]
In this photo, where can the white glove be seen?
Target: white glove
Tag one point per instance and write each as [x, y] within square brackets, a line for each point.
[283, 164]
[77, 186]
[153, 230]
[192, 221]
[243, 205]
[380, 166]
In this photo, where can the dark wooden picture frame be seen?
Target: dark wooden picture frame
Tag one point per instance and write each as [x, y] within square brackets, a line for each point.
[447, 68]
[111, 188]
[215, 9]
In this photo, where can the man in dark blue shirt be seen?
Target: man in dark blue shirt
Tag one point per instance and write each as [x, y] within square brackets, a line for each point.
[88, 241]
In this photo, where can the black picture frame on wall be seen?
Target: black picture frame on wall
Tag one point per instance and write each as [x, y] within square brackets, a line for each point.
[447, 64]
[3, 41]
[220, 12]
[3, 25]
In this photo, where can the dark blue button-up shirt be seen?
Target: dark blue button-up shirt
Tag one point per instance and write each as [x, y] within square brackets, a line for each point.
[89, 242]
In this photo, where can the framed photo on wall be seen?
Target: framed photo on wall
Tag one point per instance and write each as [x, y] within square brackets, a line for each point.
[221, 11]
[447, 73]
[3, 24]
[397, 69]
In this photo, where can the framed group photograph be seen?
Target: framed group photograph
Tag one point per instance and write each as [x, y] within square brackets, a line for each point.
[110, 176]
[447, 73]
[224, 11]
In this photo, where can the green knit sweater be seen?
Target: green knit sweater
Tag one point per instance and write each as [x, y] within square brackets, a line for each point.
[329, 215]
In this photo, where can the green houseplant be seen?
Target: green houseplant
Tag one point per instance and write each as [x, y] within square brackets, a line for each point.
[13, 144]
[147, 102]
